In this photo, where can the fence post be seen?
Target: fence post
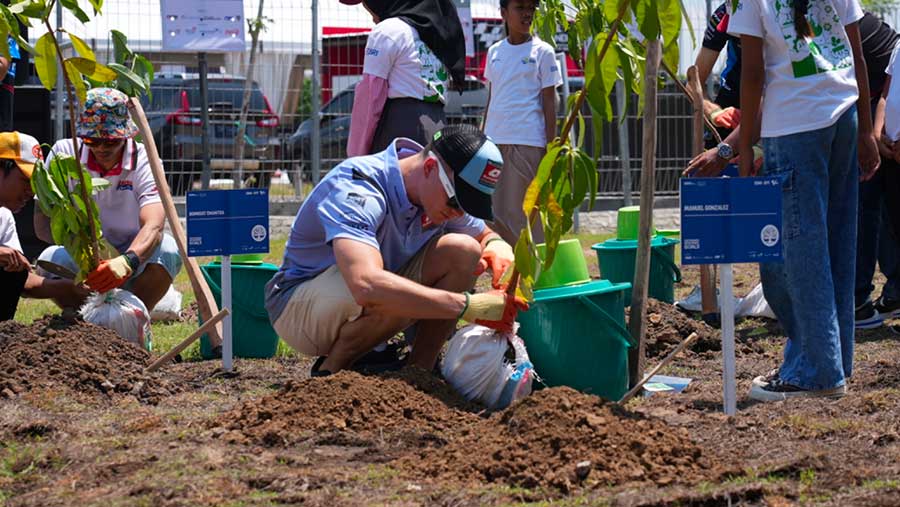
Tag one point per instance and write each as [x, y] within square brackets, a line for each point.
[204, 118]
[316, 162]
[624, 142]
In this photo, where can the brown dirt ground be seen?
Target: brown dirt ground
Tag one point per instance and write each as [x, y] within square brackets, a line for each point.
[267, 435]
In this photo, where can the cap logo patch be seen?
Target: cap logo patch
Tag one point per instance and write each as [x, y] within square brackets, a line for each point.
[490, 175]
[36, 151]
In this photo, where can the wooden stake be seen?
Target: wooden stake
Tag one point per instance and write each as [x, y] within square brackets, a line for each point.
[707, 271]
[637, 323]
[206, 303]
[668, 359]
[168, 356]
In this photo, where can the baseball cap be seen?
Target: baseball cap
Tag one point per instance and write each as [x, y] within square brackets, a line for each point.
[23, 149]
[476, 164]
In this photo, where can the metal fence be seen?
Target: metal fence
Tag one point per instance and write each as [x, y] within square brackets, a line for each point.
[280, 134]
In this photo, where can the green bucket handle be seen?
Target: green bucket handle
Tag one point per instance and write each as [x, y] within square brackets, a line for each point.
[621, 333]
[668, 262]
[235, 299]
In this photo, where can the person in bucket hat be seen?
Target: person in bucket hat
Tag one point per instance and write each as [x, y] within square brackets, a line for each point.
[131, 212]
[392, 239]
[18, 155]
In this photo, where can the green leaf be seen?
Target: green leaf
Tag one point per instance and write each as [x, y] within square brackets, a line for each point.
[99, 184]
[29, 8]
[45, 60]
[647, 14]
[72, 6]
[120, 47]
[82, 48]
[611, 11]
[93, 70]
[58, 229]
[76, 80]
[132, 80]
[669, 20]
[537, 184]
[586, 163]
[97, 5]
[23, 44]
[670, 55]
[524, 260]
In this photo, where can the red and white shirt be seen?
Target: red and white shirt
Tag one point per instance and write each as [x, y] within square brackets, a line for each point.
[131, 187]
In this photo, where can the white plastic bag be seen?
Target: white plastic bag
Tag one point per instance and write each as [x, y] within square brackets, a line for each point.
[169, 307]
[122, 312]
[754, 304]
[476, 365]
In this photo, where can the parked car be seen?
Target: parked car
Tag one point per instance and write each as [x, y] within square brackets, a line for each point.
[174, 114]
[334, 122]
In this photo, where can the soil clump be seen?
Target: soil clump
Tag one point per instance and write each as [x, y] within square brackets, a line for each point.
[411, 406]
[77, 356]
[667, 327]
[560, 439]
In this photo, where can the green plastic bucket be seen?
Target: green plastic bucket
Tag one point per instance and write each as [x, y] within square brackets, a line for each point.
[569, 266]
[254, 258]
[628, 222]
[576, 337]
[617, 258]
[252, 334]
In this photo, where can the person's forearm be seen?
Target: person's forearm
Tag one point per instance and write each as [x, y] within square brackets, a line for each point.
[878, 123]
[146, 241]
[549, 107]
[386, 293]
[368, 105]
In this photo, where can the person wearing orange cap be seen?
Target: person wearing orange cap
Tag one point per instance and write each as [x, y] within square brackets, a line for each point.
[18, 154]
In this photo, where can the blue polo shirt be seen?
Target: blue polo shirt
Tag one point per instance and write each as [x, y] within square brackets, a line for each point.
[363, 199]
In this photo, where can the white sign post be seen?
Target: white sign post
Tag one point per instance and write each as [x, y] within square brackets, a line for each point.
[227, 348]
[726, 304]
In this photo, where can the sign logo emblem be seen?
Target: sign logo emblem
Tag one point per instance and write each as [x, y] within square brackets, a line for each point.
[258, 233]
[769, 235]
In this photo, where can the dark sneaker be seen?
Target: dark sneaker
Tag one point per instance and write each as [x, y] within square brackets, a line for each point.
[888, 308]
[779, 390]
[391, 358]
[316, 369]
[867, 317]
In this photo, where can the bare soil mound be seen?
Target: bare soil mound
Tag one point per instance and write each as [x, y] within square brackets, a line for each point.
[86, 359]
[561, 440]
[667, 327]
[348, 408]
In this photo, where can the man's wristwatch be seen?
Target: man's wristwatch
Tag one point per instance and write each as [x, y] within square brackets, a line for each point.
[725, 151]
[133, 260]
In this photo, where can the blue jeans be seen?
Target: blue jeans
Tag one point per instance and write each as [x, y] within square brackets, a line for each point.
[876, 241]
[811, 292]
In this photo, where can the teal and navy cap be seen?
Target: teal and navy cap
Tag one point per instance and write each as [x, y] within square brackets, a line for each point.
[476, 164]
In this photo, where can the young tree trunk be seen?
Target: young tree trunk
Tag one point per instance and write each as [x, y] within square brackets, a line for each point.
[637, 321]
[239, 142]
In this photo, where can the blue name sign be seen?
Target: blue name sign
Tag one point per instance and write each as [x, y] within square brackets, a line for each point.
[228, 222]
[730, 220]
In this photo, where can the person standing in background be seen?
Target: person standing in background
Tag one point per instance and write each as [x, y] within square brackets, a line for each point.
[522, 74]
[412, 53]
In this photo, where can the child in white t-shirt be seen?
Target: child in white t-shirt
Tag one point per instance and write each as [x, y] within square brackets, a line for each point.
[805, 77]
[523, 73]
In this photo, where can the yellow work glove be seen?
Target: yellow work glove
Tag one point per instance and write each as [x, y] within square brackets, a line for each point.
[495, 309]
[110, 274]
[498, 256]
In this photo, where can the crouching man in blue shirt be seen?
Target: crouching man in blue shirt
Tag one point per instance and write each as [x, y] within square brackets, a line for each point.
[391, 239]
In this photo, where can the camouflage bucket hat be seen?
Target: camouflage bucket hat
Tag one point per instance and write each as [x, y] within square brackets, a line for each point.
[105, 115]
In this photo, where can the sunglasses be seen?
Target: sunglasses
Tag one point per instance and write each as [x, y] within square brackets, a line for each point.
[452, 202]
[96, 142]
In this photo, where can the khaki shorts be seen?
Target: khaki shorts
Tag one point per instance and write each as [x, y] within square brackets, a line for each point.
[318, 309]
[520, 165]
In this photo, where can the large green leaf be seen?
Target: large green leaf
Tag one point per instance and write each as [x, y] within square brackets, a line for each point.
[543, 174]
[72, 6]
[647, 14]
[82, 48]
[120, 46]
[77, 80]
[4, 41]
[29, 8]
[45, 60]
[129, 79]
[93, 70]
[525, 263]
[669, 20]
[97, 5]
